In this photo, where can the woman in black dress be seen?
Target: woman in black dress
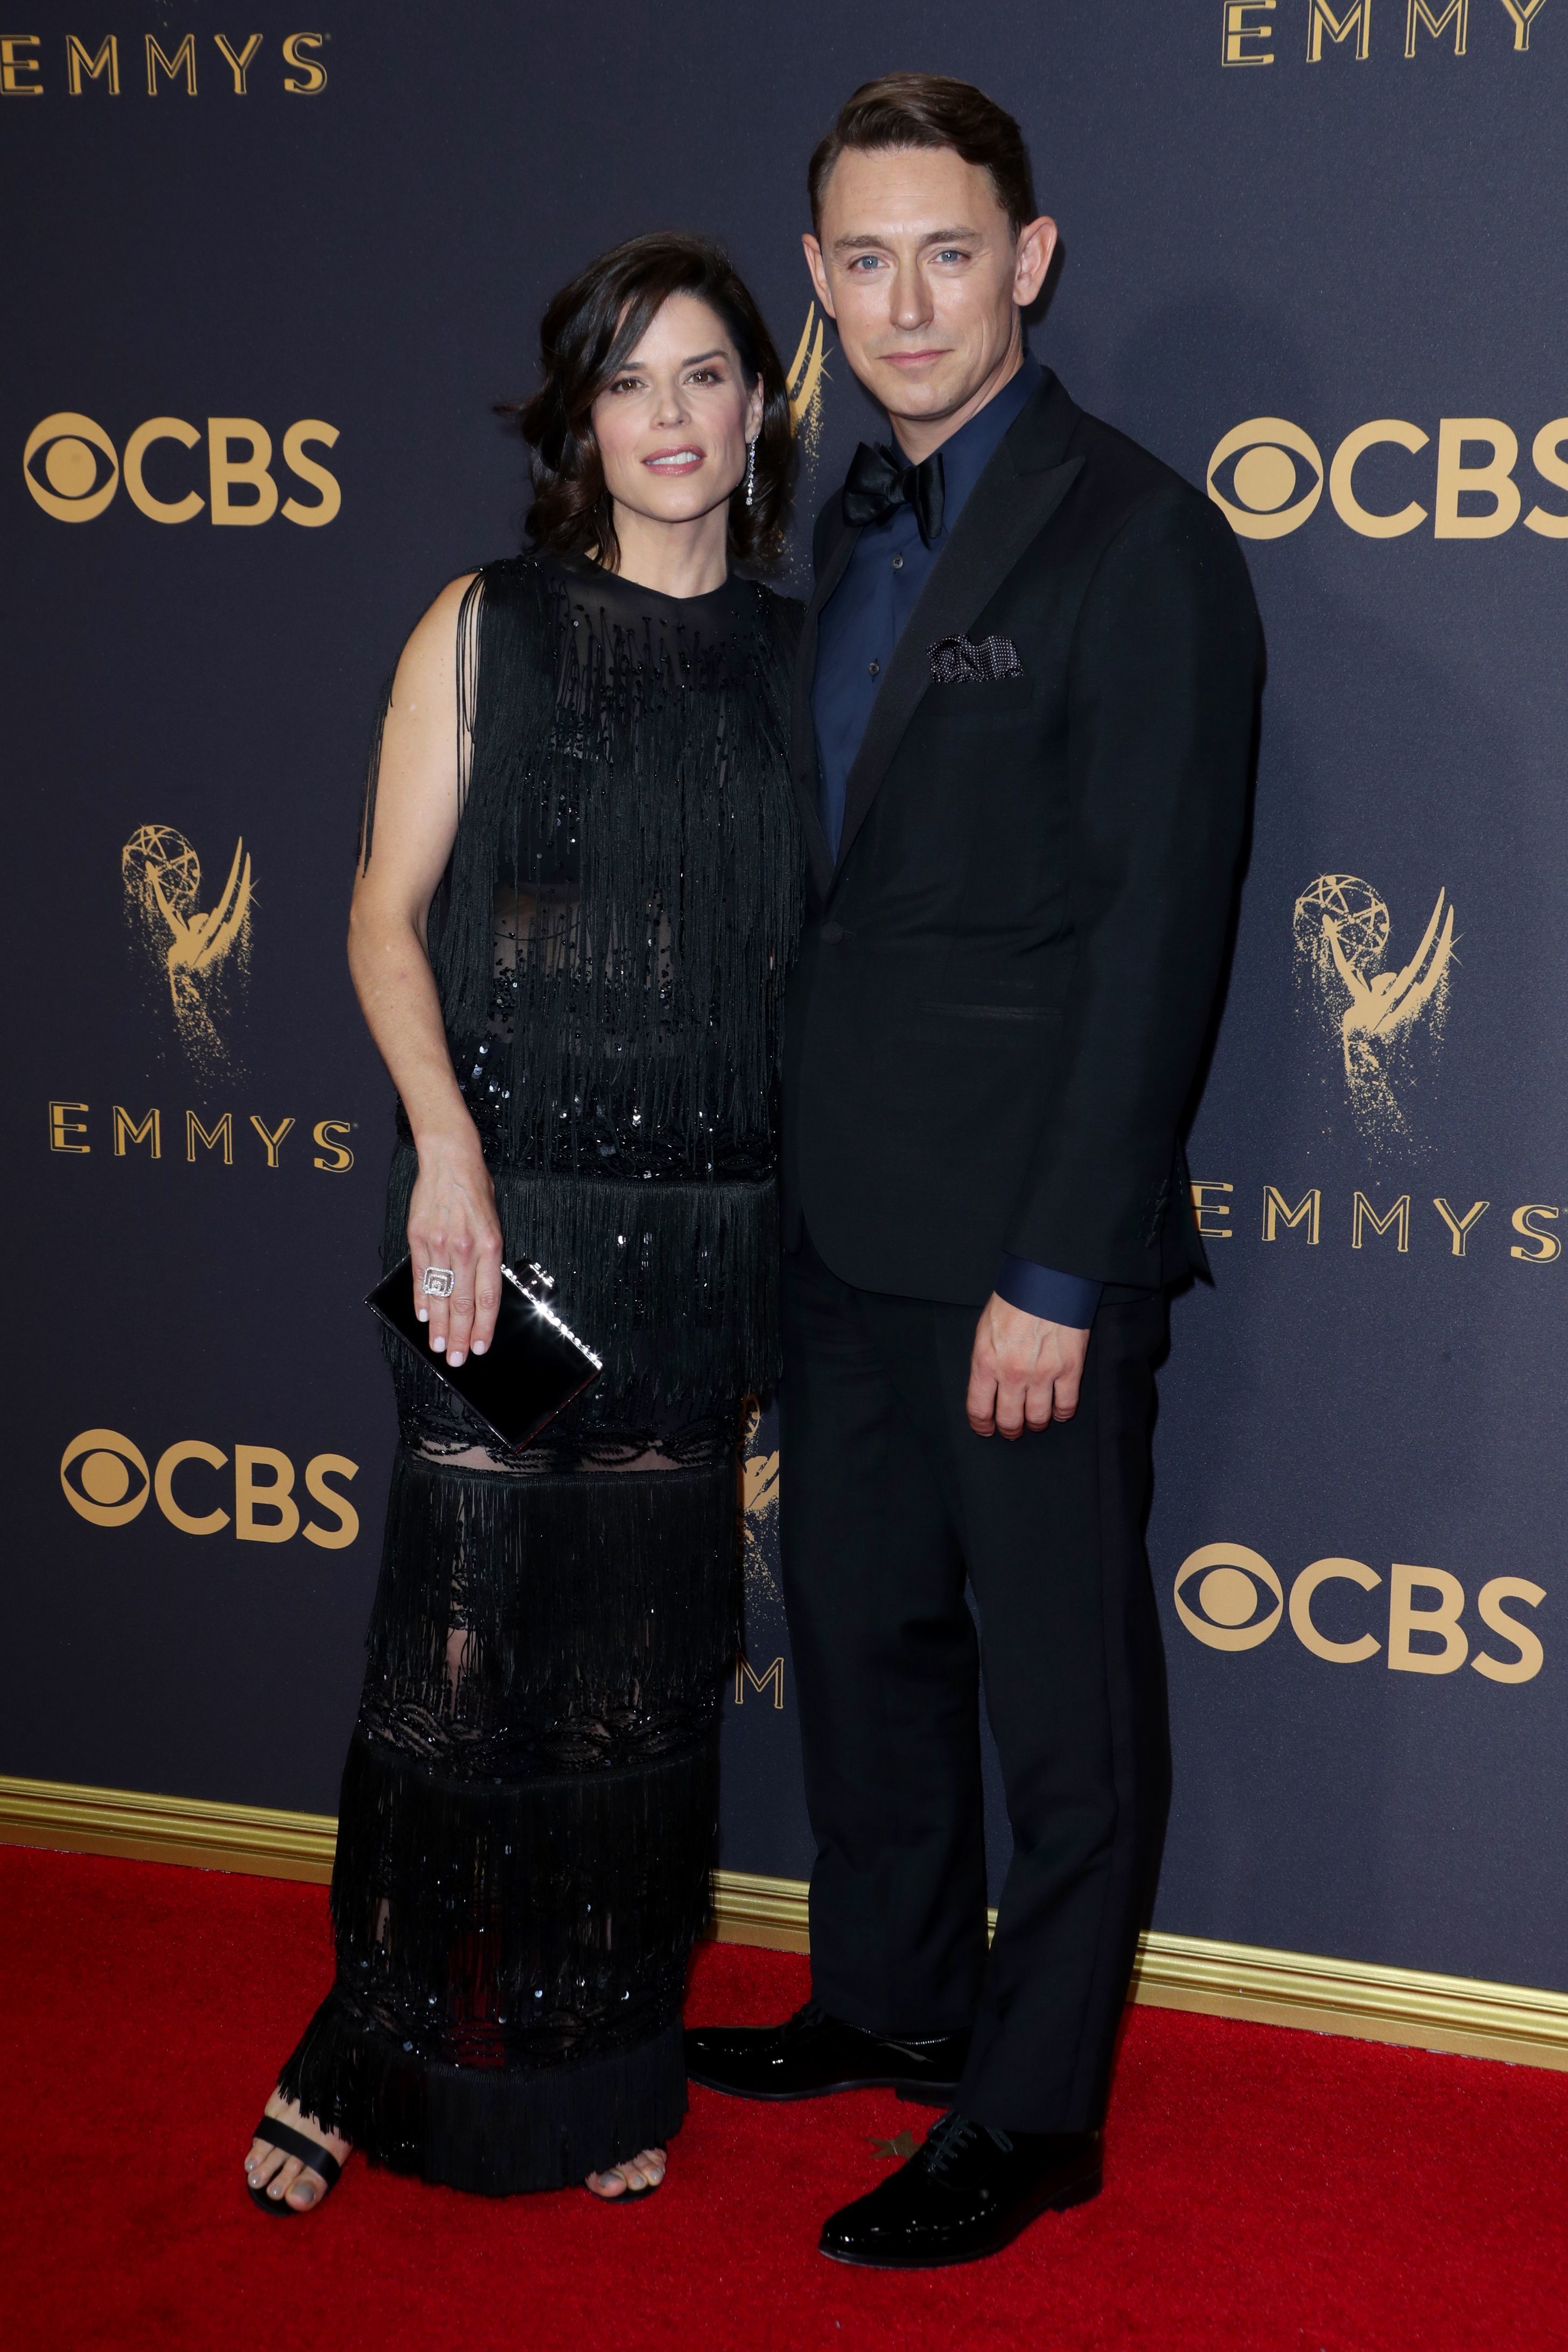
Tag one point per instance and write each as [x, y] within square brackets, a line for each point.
[577, 894]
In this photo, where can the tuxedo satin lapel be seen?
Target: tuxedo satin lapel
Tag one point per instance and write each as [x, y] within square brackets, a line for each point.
[803, 728]
[1008, 508]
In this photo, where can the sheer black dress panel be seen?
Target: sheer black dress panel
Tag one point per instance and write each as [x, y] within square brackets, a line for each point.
[529, 1804]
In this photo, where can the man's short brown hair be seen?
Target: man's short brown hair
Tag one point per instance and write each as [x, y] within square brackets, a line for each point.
[917, 109]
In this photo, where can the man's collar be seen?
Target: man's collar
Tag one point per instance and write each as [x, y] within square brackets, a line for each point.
[966, 453]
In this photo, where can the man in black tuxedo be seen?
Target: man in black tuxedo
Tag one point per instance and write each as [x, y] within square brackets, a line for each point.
[1022, 735]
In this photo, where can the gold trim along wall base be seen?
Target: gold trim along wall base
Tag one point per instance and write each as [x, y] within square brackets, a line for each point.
[1351, 1997]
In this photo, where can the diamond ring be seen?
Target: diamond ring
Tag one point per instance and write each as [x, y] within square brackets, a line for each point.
[440, 1281]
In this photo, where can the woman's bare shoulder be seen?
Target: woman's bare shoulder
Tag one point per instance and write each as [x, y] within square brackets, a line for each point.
[428, 661]
[438, 621]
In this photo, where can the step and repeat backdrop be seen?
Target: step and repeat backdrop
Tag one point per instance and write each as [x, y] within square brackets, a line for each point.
[266, 281]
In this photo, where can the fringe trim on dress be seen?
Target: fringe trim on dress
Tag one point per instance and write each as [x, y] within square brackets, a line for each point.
[529, 1815]
[522, 1931]
[675, 1285]
[574, 1620]
[468, 2128]
[612, 935]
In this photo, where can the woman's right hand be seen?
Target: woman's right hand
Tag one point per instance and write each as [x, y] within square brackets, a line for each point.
[452, 1223]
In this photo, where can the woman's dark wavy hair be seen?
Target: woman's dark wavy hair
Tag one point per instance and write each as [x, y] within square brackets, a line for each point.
[587, 333]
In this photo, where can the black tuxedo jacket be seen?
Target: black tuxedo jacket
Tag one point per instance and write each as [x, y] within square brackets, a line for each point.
[1004, 983]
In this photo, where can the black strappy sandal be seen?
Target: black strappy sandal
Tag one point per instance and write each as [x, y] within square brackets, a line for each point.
[310, 2153]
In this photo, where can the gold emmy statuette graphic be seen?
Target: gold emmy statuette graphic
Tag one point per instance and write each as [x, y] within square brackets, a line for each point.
[1342, 931]
[760, 1507]
[202, 955]
[805, 380]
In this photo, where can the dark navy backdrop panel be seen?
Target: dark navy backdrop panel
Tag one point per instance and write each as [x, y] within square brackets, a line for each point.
[257, 333]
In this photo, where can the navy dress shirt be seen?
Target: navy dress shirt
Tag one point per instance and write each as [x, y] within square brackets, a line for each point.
[857, 631]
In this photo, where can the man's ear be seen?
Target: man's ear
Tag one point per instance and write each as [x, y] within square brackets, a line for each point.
[1032, 260]
[818, 269]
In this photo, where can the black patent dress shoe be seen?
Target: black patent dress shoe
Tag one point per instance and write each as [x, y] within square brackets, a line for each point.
[814, 2053]
[966, 2193]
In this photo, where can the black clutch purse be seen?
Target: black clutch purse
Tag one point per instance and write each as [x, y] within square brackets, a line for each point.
[532, 1370]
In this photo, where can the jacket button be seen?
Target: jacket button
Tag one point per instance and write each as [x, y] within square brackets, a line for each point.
[833, 933]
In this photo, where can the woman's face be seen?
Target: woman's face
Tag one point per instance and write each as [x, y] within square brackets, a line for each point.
[673, 424]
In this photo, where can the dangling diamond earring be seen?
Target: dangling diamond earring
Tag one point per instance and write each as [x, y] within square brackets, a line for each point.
[750, 473]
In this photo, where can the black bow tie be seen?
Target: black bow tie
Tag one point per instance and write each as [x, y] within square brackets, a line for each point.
[880, 482]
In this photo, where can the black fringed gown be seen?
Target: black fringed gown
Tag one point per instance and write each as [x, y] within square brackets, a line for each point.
[530, 1803]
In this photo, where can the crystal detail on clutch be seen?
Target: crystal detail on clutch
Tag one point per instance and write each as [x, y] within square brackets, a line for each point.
[535, 1292]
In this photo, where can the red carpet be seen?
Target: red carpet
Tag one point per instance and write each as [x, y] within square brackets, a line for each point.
[1265, 2189]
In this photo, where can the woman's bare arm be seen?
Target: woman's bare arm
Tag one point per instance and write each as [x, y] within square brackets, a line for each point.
[452, 1218]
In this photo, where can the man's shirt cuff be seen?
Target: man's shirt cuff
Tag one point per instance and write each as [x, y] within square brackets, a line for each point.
[1065, 1298]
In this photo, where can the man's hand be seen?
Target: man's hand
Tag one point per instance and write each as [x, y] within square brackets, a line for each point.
[1023, 1372]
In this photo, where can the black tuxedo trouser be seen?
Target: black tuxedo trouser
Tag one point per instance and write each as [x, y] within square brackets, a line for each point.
[889, 1500]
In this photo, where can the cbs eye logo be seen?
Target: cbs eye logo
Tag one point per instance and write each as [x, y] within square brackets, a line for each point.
[1240, 1597]
[72, 471]
[1229, 1597]
[112, 1480]
[80, 470]
[1266, 476]
[107, 1481]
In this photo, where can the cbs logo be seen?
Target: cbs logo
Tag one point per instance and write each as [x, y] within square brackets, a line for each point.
[1266, 477]
[71, 469]
[107, 1482]
[1229, 1597]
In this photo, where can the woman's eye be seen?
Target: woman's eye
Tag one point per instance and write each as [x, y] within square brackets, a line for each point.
[626, 383]
[705, 375]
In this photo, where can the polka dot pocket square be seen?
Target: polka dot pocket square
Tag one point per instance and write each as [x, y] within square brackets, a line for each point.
[959, 661]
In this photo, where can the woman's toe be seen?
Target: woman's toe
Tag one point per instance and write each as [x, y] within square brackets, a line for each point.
[306, 2190]
[283, 2179]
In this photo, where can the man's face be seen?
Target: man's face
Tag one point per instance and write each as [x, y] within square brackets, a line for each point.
[917, 264]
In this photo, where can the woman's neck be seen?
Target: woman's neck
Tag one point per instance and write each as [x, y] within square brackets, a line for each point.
[674, 559]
